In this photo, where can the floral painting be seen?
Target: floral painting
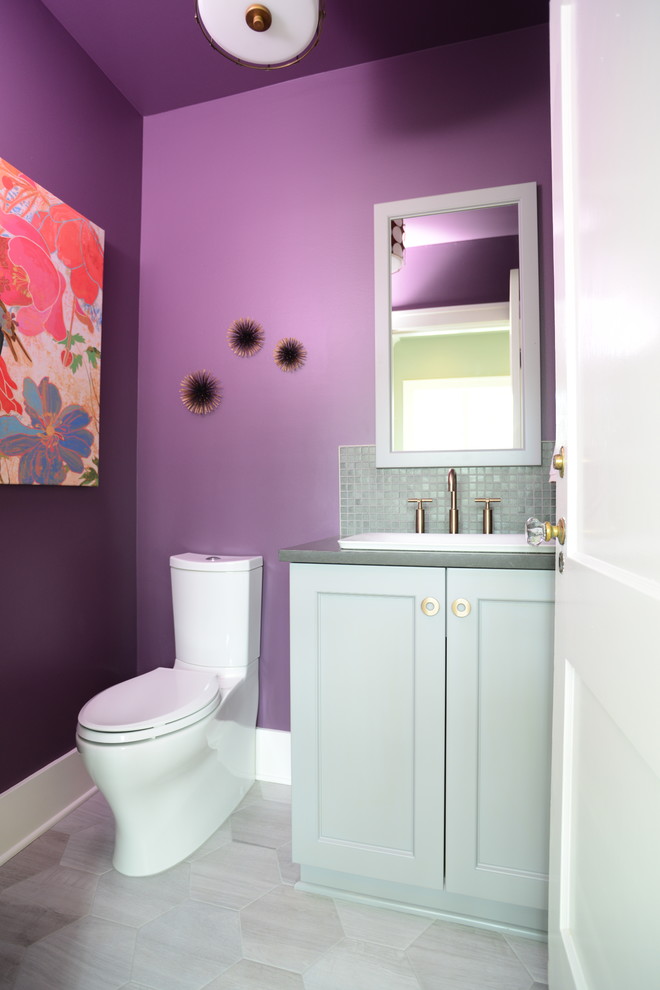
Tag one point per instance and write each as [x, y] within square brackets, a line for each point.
[51, 291]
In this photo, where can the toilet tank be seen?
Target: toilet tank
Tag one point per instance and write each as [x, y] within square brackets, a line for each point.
[217, 609]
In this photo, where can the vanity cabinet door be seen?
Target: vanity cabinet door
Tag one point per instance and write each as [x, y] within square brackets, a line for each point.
[499, 686]
[367, 720]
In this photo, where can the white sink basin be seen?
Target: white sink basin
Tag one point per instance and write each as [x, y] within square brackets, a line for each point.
[463, 542]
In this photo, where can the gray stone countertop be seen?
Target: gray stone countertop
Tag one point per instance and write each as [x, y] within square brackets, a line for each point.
[328, 551]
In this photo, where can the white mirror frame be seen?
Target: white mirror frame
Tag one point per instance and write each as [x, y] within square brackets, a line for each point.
[524, 195]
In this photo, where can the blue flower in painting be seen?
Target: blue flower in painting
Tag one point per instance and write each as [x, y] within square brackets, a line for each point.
[56, 442]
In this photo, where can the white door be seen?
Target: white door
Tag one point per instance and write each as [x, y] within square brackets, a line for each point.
[605, 829]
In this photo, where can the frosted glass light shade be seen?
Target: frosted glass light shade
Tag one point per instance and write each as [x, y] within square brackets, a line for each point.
[292, 34]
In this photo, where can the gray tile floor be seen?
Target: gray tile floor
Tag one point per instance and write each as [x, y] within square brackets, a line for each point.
[228, 918]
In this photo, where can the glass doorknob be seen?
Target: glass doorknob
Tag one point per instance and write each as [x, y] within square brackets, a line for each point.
[542, 532]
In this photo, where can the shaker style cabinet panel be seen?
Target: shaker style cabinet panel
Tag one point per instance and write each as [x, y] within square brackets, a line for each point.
[367, 720]
[499, 689]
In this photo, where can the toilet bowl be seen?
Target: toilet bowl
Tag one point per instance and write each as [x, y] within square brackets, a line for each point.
[173, 750]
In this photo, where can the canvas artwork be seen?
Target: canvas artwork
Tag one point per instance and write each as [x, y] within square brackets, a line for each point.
[51, 291]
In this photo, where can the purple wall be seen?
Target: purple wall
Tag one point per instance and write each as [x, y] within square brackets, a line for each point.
[261, 205]
[461, 273]
[67, 606]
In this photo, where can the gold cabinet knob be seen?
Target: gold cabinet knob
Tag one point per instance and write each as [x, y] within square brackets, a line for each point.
[461, 608]
[430, 606]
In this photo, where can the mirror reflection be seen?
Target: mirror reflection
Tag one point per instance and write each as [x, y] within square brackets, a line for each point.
[457, 329]
[455, 338]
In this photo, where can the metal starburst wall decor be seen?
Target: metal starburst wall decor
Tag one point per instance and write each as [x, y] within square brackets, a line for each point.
[245, 337]
[201, 392]
[290, 354]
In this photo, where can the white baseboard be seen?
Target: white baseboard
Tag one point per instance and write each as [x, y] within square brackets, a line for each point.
[35, 804]
[274, 756]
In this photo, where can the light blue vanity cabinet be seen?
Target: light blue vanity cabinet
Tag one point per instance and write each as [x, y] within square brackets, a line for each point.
[401, 793]
[368, 721]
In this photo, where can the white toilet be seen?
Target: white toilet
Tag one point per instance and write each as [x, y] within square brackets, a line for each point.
[173, 750]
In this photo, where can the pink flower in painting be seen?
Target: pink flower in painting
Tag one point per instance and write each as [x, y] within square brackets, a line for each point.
[7, 387]
[75, 241]
[28, 277]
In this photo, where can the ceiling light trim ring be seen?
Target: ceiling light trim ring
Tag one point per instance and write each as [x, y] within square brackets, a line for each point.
[261, 65]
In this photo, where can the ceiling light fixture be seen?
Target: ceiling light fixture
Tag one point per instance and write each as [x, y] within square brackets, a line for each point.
[260, 36]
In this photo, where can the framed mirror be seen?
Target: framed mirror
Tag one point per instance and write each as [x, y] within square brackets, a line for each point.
[457, 329]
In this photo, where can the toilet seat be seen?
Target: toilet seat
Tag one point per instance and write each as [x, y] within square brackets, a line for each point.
[152, 704]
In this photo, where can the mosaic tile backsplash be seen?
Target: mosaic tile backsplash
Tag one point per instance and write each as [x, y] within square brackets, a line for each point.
[375, 500]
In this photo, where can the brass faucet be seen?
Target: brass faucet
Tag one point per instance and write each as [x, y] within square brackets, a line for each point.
[453, 511]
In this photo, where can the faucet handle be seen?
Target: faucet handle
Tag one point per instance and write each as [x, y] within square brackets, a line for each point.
[419, 513]
[487, 526]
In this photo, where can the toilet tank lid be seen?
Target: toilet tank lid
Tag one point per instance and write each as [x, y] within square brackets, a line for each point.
[214, 562]
[160, 696]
